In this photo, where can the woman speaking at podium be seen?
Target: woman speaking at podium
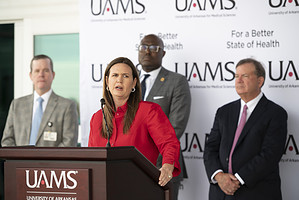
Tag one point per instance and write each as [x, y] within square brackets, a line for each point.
[125, 120]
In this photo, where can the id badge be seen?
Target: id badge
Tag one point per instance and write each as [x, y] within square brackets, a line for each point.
[50, 136]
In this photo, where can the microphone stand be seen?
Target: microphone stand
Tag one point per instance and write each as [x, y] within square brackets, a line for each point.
[108, 134]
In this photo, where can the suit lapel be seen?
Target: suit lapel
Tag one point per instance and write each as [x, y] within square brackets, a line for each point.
[255, 115]
[28, 111]
[47, 114]
[160, 80]
[234, 118]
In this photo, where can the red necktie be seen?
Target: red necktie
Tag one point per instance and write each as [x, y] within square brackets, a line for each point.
[237, 135]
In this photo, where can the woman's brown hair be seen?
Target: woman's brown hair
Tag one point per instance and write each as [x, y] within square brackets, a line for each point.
[133, 101]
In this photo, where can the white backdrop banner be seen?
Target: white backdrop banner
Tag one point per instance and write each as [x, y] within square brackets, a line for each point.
[204, 39]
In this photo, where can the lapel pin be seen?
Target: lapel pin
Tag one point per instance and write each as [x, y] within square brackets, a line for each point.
[162, 79]
[50, 124]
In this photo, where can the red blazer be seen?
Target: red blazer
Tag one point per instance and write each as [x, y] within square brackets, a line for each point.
[150, 132]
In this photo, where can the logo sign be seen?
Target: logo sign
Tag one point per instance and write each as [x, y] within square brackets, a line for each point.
[202, 5]
[103, 7]
[283, 3]
[48, 184]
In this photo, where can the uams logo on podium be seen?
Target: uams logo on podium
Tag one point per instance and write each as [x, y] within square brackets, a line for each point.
[52, 184]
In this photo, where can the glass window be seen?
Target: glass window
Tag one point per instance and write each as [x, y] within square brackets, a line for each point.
[64, 51]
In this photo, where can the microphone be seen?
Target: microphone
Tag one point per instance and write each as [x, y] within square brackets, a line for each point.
[102, 104]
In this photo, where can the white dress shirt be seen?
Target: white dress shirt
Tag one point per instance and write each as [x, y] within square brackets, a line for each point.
[149, 82]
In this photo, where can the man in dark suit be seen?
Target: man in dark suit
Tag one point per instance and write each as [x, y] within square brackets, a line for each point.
[245, 166]
[59, 122]
[168, 89]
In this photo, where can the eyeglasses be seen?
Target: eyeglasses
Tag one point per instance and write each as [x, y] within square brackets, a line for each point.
[151, 48]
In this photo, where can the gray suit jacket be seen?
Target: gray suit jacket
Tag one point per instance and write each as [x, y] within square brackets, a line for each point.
[60, 116]
[171, 91]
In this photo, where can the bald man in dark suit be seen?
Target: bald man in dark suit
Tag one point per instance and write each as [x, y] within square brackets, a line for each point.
[168, 89]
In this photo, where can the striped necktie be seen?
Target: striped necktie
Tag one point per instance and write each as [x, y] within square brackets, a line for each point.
[143, 85]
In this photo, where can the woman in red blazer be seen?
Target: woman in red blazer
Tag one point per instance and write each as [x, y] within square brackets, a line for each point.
[132, 122]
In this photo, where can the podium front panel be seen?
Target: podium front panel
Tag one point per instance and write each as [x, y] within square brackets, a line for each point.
[74, 180]
[80, 173]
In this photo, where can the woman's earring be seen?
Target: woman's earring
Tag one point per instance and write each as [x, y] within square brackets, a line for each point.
[133, 89]
[107, 88]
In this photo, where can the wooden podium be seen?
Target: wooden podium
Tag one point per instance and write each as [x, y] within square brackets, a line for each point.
[45, 173]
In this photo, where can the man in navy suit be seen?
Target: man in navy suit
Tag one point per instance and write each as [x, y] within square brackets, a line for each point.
[168, 89]
[250, 171]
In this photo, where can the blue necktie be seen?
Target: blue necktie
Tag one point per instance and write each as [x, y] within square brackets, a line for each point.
[143, 85]
[36, 121]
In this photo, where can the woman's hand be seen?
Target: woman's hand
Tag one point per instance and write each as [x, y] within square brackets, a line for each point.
[166, 174]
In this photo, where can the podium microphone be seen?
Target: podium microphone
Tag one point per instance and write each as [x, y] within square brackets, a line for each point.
[108, 134]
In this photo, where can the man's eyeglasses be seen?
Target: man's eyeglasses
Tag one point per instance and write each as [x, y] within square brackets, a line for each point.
[151, 48]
